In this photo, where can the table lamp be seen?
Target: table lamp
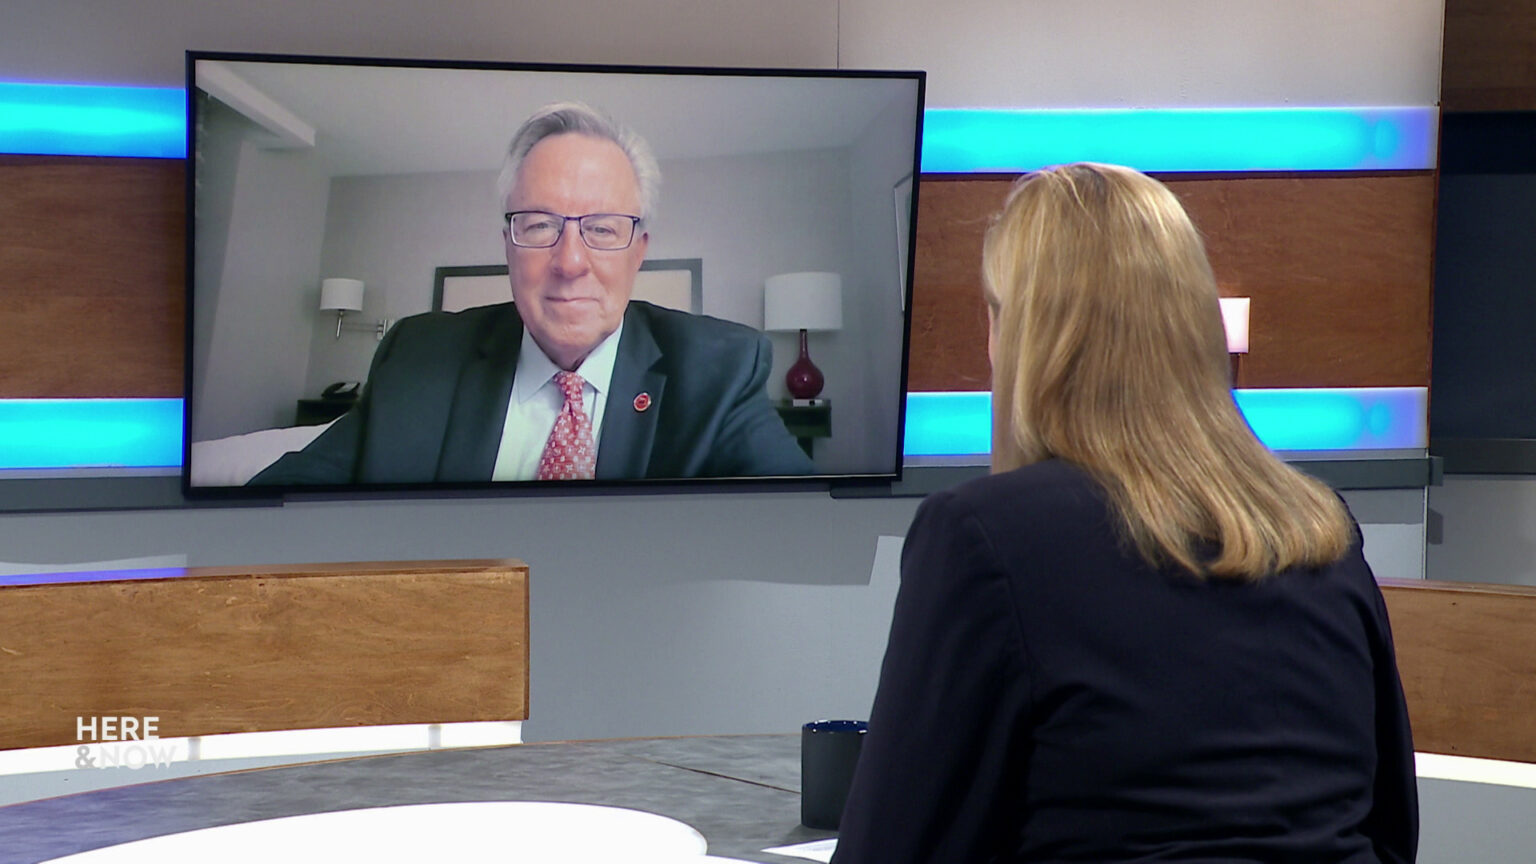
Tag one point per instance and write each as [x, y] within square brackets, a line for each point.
[804, 302]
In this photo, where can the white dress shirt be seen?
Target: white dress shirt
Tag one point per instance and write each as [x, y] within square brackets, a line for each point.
[536, 401]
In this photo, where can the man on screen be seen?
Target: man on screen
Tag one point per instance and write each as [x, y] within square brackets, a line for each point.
[573, 379]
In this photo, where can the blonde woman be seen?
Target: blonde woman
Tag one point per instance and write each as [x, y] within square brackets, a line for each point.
[1143, 637]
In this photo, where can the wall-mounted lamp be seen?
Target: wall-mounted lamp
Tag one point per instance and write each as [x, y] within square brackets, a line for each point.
[346, 295]
[1234, 316]
[803, 301]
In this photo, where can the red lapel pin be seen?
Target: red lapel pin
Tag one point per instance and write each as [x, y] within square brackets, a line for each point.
[642, 402]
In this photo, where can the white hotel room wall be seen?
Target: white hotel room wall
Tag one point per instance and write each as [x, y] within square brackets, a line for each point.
[745, 217]
[392, 232]
[874, 281]
[264, 312]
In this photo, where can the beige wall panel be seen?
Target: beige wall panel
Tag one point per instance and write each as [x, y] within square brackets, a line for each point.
[1174, 53]
[99, 41]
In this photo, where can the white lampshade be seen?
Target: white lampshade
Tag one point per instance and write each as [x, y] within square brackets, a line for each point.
[1234, 316]
[343, 294]
[803, 301]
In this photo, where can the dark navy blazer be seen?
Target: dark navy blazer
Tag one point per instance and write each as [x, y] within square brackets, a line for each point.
[1047, 696]
[436, 400]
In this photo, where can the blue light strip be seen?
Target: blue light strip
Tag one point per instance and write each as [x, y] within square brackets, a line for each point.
[82, 120]
[1365, 418]
[948, 424]
[90, 433]
[92, 576]
[146, 433]
[969, 141]
[79, 120]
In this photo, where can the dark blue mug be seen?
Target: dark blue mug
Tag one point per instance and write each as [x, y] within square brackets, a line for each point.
[829, 750]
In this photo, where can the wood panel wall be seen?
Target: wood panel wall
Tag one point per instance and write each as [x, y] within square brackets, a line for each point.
[267, 648]
[1489, 58]
[91, 264]
[1467, 656]
[1339, 268]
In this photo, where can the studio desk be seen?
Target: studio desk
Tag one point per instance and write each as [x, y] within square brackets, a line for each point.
[212, 650]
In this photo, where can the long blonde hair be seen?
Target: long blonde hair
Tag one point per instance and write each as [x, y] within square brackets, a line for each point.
[1109, 353]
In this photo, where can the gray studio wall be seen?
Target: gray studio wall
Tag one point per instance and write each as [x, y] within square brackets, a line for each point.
[738, 612]
[1483, 529]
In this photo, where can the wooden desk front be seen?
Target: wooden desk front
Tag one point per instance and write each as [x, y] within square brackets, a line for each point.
[223, 649]
[1467, 655]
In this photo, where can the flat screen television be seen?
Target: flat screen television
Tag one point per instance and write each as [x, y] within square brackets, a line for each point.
[380, 299]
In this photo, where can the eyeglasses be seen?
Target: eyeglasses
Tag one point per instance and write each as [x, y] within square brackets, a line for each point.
[535, 229]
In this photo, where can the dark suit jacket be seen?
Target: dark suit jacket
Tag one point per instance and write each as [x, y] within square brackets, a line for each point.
[437, 394]
[1048, 697]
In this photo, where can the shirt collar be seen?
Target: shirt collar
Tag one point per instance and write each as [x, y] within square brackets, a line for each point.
[534, 369]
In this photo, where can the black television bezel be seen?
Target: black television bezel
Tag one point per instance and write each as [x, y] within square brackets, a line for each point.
[536, 488]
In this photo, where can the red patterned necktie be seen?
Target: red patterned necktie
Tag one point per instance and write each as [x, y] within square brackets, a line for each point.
[569, 454]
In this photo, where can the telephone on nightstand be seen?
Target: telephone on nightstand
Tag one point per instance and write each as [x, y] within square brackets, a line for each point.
[341, 390]
[334, 401]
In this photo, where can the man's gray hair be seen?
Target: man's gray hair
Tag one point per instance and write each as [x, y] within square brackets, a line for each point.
[561, 118]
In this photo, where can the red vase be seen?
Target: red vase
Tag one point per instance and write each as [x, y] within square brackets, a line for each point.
[804, 380]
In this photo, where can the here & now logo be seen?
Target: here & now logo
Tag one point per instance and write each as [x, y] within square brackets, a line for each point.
[121, 742]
